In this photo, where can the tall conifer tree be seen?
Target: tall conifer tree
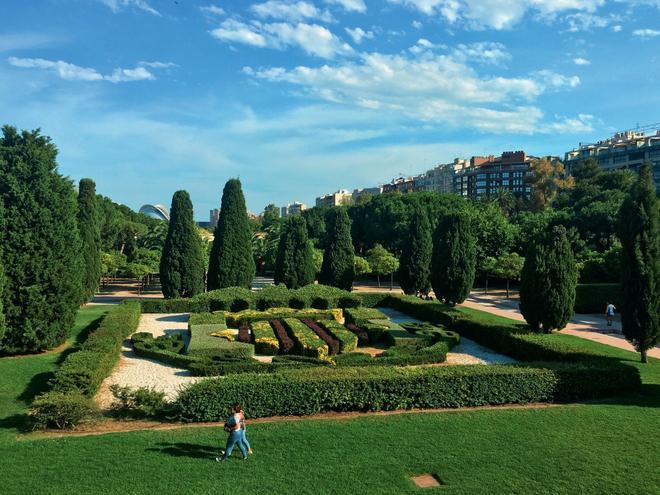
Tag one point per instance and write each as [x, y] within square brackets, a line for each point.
[295, 256]
[90, 237]
[40, 244]
[337, 268]
[640, 238]
[454, 258]
[182, 260]
[415, 270]
[231, 263]
[548, 281]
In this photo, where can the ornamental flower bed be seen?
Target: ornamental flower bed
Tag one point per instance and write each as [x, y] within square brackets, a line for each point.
[286, 344]
[363, 337]
[333, 344]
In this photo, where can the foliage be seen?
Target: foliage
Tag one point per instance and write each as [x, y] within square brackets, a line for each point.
[592, 298]
[348, 340]
[381, 261]
[415, 271]
[137, 270]
[265, 341]
[306, 342]
[142, 402]
[181, 264]
[249, 315]
[203, 344]
[358, 316]
[454, 258]
[90, 238]
[265, 246]
[286, 343]
[323, 297]
[331, 341]
[41, 250]
[112, 262]
[549, 277]
[315, 218]
[270, 217]
[337, 268]
[295, 257]
[547, 178]
[360, 266]
[272, 296]
[231, 262]
[640, 238]
[61, 410]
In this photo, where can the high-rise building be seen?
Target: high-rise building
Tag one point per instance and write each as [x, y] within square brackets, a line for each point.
[341, 197]
[295, 208]
[625, 150]
[214, 216]
[441, 178]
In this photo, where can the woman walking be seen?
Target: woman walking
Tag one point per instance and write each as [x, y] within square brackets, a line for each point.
[236, 434]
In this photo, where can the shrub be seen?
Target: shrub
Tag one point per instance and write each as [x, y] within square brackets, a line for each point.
[244, 333]
[396, 335]
[147, 348]
[85, 369]
[228, 335]
[203, 344]
[306, 341]
[294, 360]
[309, 391]
[323, 297]
[207, 319]
[230, 299]
[197, 304]
[375, 331]
[373, 299]
[265, 341]
[285, 342]
[348, 341]
[433, 332]
[398, 356]
[331, 342]
[139, 403]
[221, 367]
[234, 319]
[62, 410]
[272, 296]
[362, 336]
[592, 298]
[337, 268]
[358, 316]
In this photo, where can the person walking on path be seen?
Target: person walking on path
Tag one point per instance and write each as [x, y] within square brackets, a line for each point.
[246, 444]
[236, 434]
[609, 313]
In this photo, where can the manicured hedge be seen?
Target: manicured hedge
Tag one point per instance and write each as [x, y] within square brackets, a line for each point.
[307, 343]
[84, 369]
[310, 391]
[203, 344]
[250, 315]
[348, 341]
[265, 341]
[322, 333]
[207, 318]
[322, 297]
[397, 356]
[147, 347]
[357, 316]
[373, 299]
[285, 341]
[362, 336]
[592, 298]
[272, 296]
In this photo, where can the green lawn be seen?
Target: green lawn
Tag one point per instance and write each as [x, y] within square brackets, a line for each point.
[599, 448]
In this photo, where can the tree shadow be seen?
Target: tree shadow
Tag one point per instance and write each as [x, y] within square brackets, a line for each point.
[182, 449]
[37, 384]
[17, 422]
[173, 318]
[80, 338]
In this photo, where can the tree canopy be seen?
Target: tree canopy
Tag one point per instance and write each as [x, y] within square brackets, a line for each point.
[295, 257]
[337, 268]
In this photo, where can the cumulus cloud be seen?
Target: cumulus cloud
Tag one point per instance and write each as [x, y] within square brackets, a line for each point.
[430, 87]
[482, 52]
[582, 21]
[646, 33]
[312, 38]
[581, 61]
[290, 11]
[358, 34]
[497, 14]
[72, 72]
[350, 5]
[212, 10]
[119, 5]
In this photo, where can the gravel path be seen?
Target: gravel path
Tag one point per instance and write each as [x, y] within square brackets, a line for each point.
[467, 352]
[134, 371]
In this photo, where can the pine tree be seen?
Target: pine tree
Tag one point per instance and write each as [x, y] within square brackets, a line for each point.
[640, 238]
[337, 268]
[415, 271]
[231, 263]
[295, 256]
[182, 260]
[90, 237]
[40, 244]
[453, 262]
[548, 281]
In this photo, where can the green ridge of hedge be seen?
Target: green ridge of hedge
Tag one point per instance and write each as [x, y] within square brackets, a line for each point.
[203, 344]
[250, 315]
[348, 341]
[265, 341]
[357, 316]
[307, 343]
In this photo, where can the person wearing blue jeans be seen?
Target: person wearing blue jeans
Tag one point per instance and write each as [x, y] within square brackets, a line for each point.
[236, 435]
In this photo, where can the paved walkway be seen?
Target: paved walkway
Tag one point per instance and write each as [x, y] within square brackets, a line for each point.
[590, 327]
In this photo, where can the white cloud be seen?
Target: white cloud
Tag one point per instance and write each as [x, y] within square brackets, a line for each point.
[429, 88]
[617, 28]
[581, 61]
[358, 34]
[497, 14]
[482, 52]
[212, 10]
[417, 24]
[72, 72]
[646, 33]
[350, 5]
[581, 124]
[582, 21]
[290, 11]
[120, 5]
[313, 39]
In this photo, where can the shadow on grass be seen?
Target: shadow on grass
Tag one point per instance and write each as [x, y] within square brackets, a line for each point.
[37, 384]
[182, 449]
[80, 338]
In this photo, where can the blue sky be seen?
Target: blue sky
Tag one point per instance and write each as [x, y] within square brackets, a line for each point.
[303, 97]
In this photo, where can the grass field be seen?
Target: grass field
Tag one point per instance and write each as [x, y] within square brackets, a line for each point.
[601, 448]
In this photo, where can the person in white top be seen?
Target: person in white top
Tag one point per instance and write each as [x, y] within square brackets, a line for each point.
[609, 313]
[236, 436]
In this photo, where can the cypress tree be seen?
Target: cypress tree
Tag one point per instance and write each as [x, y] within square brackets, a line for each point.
[231, 263]
[453, 262]
[182, 259]
[90, 237]
[40, 244]
[640, 239]
[415, 270]
[337, 268]
[548, 281]
[295, 256]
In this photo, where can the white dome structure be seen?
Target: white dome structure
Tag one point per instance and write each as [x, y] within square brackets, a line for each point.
[159, 212]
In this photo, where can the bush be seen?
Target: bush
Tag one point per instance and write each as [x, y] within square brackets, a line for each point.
[285, 342]
[272, 296]
[84, 370]
[323, 297]
[348, 341]
[142, 402]
[434, 333]
[398, 356]
[306, 341]
[207, 319]
[234, 319]
[265, 341]
[147, 348]
[62, 410]
[374, 331]
[358, 316]
[197, 304]
[230, 299]
[373, 299]
[203, 344]
[244, 333]
[330, 341]
[362, 336]
[592, 298]
[310, 391]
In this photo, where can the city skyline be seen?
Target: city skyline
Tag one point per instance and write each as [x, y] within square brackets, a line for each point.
[302, 98]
